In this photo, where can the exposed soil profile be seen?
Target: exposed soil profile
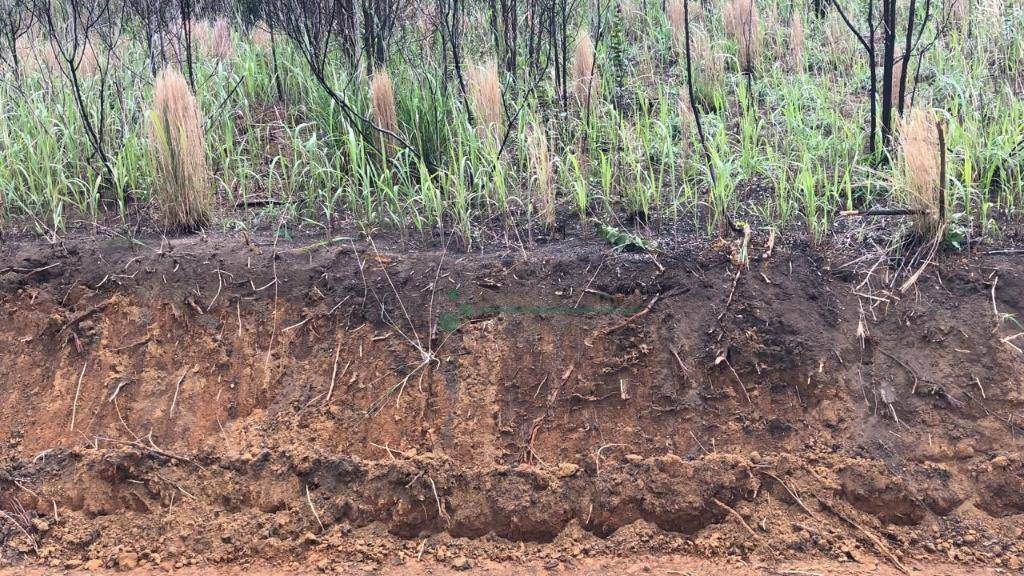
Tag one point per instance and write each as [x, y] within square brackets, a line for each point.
[210, 404]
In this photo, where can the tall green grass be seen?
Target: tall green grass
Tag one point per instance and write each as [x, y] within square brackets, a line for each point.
[789, 151]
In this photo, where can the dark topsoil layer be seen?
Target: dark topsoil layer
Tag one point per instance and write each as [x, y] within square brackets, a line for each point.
[207, 401]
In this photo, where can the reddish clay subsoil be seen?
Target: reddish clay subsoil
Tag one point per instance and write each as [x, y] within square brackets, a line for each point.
[211, 403]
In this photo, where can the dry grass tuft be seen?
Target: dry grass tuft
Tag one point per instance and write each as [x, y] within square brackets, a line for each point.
[957, 10]
[897, 75]
[743, 25]
[586, 82]
[685, 111]
[260, 38]
[839, 40]
[485, 99]
[919, 149]
[543, 196]
[632, 14]
[796, 42]
[43, 56]
[708, 63]
[675, 11]
[182, 189]
[385, 115]
[214, 40]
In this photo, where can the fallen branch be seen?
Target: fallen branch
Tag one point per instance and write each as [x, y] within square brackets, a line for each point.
[27, 271]
[879, 545]
[882, 212]
[78, 390]
[634, 317]
[732, 512]
[313, 509]
[74, 321]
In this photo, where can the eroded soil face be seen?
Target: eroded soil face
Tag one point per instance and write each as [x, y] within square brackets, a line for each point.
[214, 402]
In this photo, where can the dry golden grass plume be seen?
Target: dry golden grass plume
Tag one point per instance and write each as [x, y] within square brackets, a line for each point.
[743, 25]
[214, 40]
[385, 115]
[957, 10]
[921, 168]
[586, 82]
[260, 38]
[839, 40]
[708, 62]
[485, 99]
[43, 56]
[796, 42]
[182, 187]
[675, 11]
[542, 185]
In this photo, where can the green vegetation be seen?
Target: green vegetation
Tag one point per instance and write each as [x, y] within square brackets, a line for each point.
[783, 106]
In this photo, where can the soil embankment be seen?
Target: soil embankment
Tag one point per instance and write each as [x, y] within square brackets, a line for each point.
[213, 403]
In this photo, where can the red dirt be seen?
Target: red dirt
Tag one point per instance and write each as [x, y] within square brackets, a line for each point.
[501, 408]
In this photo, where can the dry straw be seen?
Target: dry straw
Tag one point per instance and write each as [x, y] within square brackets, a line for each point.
[919, 149]
[485, 99]
[706, 59]
[897, 75]
[382, 100]
[260, 38]
[585, 80]
[182, 187]
[675, 11]
[957, 10]
[743, 24]
[839, 40]
[214, 40]
[543, 190]
[796, 42]
[44, 56]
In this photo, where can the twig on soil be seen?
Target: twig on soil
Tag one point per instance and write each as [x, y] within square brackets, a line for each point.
[220, 286]
[334, 373]
[769, 245]
[151, 448]
[320, 244]
[238, 313]
[132, 345]
[27, 271]
[1009, 419]
[273, 330]
[927, 260]
[646, 310]
[539, 386]
[597, 456]
[995, 310]
[732, 292]
[78, 390]
[31, 538]
[695, 439]
[737, 516]
[77, 319]
[722, 358]
[440, 507]
[879, 545]
[791, 493]
[177, 388]
[882, 212]
[179, 488]
[587, 287]
[913, 390]
[298, 324]
[312, 509]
